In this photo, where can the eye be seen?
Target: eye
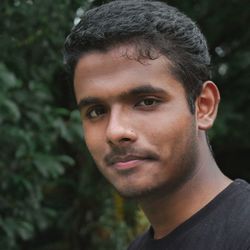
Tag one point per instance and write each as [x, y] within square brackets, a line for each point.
[96, 112]
[148, 102]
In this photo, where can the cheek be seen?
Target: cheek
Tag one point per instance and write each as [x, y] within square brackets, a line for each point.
[170, 135]
[94, 141]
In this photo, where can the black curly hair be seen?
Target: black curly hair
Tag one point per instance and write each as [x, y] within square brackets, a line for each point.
[150, 26]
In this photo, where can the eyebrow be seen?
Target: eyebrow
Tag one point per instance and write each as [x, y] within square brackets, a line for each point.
[144, 89]
[88, 101]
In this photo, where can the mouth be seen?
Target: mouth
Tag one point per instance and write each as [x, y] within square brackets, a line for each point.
[128, 161]
[127, 164]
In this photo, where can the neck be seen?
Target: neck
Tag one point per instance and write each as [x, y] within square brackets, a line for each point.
[168, 212]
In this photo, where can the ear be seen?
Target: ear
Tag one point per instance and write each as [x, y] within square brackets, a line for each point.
[207, 105]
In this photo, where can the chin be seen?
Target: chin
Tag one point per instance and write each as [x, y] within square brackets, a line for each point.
[152, 191]
[138, 193]
[133, 195]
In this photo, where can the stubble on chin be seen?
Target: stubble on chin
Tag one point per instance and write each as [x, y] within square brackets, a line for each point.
[185, 169]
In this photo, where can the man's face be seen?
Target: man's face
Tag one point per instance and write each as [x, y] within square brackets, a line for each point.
[137, 123]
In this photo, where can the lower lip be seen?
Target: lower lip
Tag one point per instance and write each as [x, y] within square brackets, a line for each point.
[128, 164]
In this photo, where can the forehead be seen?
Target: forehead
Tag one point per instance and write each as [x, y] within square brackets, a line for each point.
[121, 56]
[118, 69]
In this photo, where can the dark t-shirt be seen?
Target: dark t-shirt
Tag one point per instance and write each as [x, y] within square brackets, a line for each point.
[223, 224]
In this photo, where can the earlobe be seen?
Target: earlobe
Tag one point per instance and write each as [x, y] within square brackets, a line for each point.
[207, 105]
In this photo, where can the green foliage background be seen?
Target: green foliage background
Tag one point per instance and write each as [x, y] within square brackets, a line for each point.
[51, 195]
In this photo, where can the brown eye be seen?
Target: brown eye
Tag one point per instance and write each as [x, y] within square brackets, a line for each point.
[148, 102]
[96, 112]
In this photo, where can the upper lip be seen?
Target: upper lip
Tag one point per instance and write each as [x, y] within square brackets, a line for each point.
[127, 158]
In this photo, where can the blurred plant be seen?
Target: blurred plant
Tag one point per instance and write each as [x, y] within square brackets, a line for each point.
[29, 157]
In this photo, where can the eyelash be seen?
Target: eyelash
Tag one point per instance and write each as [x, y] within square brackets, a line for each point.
[151, 99]
[139, 104]
[95, 108]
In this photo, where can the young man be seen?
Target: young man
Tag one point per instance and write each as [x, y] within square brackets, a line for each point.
[142, 83]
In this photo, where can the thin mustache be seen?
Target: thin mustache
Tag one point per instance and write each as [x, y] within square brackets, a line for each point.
[126, 154]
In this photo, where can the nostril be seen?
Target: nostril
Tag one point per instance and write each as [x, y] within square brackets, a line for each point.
[120, 141]
[120, 134]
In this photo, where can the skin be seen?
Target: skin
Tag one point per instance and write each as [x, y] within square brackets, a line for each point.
[139, 129]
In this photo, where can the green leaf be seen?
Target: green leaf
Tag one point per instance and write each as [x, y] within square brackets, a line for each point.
[66, 159]
[25, 230]
[48, 166]
[10, 109]
[7, 79]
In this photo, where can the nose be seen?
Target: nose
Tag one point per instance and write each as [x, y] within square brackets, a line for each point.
[119, 130]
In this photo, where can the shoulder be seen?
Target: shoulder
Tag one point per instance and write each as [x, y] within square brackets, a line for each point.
[237, 212]
[237, 201]
[139, 241]
[240, 197]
